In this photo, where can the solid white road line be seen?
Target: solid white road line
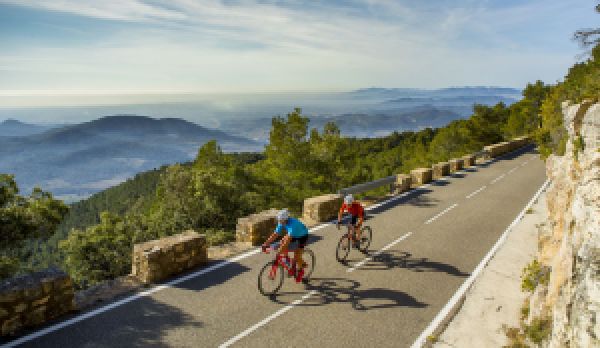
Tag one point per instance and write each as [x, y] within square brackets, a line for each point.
[476, 192]
[421, 340]
[266, 320]
[203, 271]
[126, 300]
[155, 289]
[359, 264]
[442, 213]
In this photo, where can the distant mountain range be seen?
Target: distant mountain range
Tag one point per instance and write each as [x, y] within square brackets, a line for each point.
[380, 111]
[14, 128]
[377, 92]
[77, 160]
[361, 124]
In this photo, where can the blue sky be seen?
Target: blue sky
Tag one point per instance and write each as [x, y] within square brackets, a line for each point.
[67, 47]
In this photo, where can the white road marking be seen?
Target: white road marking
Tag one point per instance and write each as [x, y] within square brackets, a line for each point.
[203, 271]
[421, 340]
[359, 264]
[442, 213]
[512, 170]
[266, 320]
[126, 300]
[498, 178]
[476, 192]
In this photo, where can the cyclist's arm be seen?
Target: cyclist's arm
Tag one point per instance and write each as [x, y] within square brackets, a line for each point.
[273, 236]
[341, 212]
[271, 239]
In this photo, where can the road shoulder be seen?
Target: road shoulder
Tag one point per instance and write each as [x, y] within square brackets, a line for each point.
[495, 298]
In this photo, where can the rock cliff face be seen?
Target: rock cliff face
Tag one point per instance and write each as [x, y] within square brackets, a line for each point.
[570, 243]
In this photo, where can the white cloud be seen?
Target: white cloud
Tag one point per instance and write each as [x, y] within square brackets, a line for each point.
[124, 10]
[247, 45]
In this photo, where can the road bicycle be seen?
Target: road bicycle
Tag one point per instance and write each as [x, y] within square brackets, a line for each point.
[347, 239]
[271, 276]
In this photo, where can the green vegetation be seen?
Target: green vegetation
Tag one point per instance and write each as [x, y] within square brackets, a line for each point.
[582, 83]
[24, 218]
[213, 191]
[209, 195]
[536, 331]
[533, 275]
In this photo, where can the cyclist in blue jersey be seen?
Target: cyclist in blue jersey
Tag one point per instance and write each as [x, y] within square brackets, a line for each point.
[292, 230]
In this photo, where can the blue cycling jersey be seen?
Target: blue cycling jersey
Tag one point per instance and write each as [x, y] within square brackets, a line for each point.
[293, 227]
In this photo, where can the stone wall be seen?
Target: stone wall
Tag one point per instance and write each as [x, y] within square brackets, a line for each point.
[403, 182]
[456, 164]
[256, 227]
[569, 244]
[34, 299]
[321, 208]
[420, 176]
[159, 259]
[496, 150]
[439, 170]
[468, 160]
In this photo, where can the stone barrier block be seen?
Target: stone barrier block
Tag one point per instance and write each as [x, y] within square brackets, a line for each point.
[257, 227]
[321, 208]
[456, 164]
[421, 176]
[468, 160]
[159, 259]
[440, 170]
[402, 184]
[33, 299]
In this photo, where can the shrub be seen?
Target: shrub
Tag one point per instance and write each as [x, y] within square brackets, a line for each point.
[534, 274]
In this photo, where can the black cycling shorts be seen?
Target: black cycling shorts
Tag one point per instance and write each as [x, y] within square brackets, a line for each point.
[300, 240]
[354, 220]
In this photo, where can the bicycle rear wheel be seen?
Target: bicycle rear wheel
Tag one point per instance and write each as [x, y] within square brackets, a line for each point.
[343, 248]
[270, 278]
[308, 256]
[366, 236]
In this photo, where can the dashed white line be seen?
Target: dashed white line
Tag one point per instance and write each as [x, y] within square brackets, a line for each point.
[440, 214]
[498, 178]
[476, 192]
[266, 320]
[361, 263]
[431, 328]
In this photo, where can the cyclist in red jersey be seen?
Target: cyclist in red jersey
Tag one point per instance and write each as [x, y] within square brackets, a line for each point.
[358, 215]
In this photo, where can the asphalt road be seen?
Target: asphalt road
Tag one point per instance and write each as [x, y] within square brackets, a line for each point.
[432, 239]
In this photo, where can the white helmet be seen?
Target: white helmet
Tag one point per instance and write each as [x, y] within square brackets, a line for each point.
[348, 199]
[282, 215]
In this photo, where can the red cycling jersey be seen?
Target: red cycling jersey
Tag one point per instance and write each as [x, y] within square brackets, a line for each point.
[355, 209]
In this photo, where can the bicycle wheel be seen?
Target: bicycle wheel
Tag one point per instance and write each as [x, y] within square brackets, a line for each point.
[270, 278]
[366, 236]
[308, 256]
[343, 248]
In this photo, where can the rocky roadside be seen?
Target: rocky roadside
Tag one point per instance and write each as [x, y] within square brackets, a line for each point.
[495, 299]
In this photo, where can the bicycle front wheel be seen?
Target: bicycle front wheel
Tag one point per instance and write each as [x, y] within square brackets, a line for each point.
[308, 256]
[343, 248]
[366, 236]
[270, 279]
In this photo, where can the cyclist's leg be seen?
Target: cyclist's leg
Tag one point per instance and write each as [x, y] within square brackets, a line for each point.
[299, 250]
[355, 229]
